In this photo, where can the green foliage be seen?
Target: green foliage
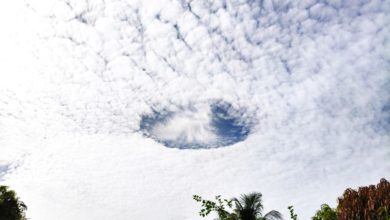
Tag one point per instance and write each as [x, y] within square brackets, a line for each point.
[383, 213]
[219, 206]
[248, 207]
[11, 208]
[325, 213]
[293, 216]
[367, 203]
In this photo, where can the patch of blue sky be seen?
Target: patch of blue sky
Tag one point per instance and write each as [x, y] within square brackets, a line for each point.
[229, 125]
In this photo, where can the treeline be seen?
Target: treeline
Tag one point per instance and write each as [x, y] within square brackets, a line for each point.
[366, 203]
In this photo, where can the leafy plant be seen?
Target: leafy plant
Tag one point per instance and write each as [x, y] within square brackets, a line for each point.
[247, 207]
[11, 208]
[250, 207]
[219, 206]
[325, 213]
[293, 216]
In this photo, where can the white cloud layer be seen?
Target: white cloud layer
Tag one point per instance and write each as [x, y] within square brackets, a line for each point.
[187, 126]
[77, 76]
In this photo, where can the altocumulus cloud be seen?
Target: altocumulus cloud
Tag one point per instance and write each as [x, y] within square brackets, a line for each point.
[98, 100]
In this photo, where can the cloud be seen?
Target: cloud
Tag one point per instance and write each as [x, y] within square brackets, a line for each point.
[197, 126]
[3, 170]
[187, 127]
[79, 76]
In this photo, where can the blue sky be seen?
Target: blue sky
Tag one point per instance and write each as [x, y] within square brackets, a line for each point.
[305, 87]
[210, 125]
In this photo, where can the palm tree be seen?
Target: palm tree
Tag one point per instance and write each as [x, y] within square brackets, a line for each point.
[250, 207]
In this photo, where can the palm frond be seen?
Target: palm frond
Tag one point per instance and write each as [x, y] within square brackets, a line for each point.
[273, 215]
[252, 201]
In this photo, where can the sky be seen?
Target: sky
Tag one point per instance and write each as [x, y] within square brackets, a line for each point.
[124, 109]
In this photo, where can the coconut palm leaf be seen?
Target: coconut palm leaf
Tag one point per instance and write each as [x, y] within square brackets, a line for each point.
[250, 207]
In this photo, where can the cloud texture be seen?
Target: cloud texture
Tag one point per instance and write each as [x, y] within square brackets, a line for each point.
[77, 77]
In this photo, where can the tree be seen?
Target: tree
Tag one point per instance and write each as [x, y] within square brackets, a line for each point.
[219, 206]
[367, 203]
[325, 213]
[248, 207]
[11, 208]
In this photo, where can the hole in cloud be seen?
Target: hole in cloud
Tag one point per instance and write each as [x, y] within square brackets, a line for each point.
[197, 126]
